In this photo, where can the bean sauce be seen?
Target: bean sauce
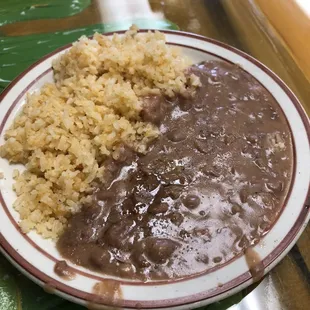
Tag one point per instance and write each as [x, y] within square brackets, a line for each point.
[209, 187]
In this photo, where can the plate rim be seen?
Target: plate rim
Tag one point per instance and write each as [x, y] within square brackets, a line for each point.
[279, 252]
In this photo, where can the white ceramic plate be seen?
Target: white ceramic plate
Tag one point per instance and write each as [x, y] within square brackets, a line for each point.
[36, 257]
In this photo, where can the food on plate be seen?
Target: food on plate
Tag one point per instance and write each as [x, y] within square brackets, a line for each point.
[144, 166]
[209, 187]
[67, 129]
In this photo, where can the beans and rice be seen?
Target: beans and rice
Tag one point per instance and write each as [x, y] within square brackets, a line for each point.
[67, 129]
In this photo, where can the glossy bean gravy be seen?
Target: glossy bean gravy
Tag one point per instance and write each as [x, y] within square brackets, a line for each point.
[209, 187]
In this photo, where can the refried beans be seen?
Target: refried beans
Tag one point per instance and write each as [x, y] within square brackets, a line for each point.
[209, 187]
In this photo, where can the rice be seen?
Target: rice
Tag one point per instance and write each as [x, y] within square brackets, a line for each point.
[67, 130]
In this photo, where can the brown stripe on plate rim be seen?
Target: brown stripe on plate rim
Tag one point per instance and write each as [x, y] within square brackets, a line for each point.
[159, 282]
[285, 243]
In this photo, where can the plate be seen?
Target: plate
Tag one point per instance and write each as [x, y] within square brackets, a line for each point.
[36, 257]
